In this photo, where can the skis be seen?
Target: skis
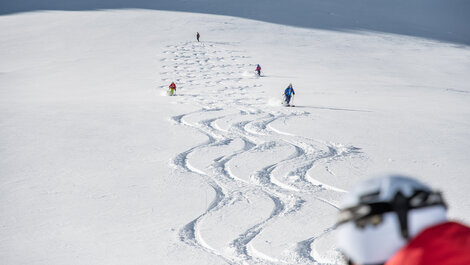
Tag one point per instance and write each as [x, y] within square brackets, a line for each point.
[284, 102]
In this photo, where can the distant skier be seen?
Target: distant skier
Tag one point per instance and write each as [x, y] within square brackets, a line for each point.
[172, 88]
[258, 69]
[288, 93]
[198, 36]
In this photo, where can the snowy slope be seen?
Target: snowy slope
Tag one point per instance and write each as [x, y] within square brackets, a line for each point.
[445, 20]
[99, 166]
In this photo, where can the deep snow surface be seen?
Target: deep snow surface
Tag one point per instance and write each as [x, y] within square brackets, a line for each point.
[100, 166]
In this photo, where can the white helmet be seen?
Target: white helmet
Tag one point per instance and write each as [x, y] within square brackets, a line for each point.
[379, 216]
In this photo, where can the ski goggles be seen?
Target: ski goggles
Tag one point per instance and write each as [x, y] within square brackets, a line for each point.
[372, 213]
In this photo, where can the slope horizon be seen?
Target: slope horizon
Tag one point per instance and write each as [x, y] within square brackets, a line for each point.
[442, 20]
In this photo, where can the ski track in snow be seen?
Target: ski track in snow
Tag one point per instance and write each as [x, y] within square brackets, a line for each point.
[238, 125]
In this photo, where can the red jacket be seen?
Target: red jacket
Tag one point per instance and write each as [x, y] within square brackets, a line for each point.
[173, 86]
[444, 244]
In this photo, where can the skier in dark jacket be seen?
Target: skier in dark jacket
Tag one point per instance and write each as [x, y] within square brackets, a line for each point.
[198, 36]
[288, 93]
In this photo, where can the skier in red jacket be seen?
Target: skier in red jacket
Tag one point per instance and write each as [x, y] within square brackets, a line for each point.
[258, 70]
[395, 220]
[172, 88]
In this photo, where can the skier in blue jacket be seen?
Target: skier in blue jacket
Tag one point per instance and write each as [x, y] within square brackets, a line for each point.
[288, 93]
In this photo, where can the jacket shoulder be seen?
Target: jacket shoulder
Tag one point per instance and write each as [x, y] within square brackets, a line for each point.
[447, 243]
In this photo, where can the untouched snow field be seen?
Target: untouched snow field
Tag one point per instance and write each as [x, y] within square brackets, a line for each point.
[99, 166]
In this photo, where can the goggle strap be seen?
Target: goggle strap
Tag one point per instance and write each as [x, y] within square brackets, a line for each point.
[401, 205]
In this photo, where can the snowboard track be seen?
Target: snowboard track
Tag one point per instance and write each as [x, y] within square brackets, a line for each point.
[209, 74]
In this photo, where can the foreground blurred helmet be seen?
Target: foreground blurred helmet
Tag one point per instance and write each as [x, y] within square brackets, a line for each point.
[379, 216]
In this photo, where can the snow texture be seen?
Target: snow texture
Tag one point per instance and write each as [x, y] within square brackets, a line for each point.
[100, 166]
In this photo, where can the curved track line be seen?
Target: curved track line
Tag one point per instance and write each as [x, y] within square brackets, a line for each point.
[284, 182]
